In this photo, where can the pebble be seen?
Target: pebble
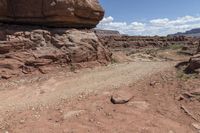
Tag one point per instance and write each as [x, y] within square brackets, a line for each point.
[72, 114]
[142, 105]
[171, 131]
[196, 125]
[121, 97]
[22, 121]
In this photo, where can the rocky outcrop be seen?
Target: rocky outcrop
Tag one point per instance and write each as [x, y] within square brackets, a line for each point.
[189, 33]
[194, 62]
[56, 13]
[120, 41]
[108, 33]
[24, 51]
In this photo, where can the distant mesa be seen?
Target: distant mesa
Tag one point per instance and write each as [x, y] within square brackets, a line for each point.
[55, 13]
[100, 32]
[190, 33]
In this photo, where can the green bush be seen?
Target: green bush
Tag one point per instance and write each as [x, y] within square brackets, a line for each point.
[176, 46]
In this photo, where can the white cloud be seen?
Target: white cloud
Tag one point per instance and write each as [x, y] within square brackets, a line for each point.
[107, 20]
[137, 26]
[160, 26]
[159, 22]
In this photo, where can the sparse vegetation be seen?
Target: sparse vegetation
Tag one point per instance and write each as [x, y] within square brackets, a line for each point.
[183, 76]
[176, 46]
[113, 60]
[173, 47]
[72, 68]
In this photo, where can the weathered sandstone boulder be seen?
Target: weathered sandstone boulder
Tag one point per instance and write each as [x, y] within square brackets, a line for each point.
[56, 13]
[194, 62]
[35, 50]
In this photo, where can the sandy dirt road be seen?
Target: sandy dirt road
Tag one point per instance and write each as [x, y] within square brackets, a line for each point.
[61, 87]
[80, 102]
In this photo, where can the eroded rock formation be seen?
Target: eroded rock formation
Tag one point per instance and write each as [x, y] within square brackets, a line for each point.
[122, 41]
[27, 50]
[56, 13]
[194, 62]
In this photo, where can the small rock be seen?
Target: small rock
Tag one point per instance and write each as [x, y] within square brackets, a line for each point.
[196, 125]
[33, 109]
[180, 98]
[121, 97]
[22, 121]
[106, 93]
[42, 91]
[91, 120]
[187, 95]
[72, 114]
[153, 83]
[142, 105]
[196, 92]
[5, 76]
[171, 131]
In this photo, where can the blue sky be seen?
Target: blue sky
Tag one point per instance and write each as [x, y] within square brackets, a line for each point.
[151, 17]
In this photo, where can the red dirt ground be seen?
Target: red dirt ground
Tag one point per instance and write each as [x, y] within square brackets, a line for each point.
[155, 108]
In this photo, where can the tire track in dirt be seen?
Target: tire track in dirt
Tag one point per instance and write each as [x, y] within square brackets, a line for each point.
[55, 89]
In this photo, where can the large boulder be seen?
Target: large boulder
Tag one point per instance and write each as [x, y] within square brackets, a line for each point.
[55, 13]
[194, 62]
[31, 50]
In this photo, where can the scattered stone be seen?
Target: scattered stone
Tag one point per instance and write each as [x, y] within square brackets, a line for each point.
[42, 91]
[121, 97]
[196, 125]
[180, 98]
[171, 131]
[188, 113]
[5, 76]
[70, 114]
[91, 120]
[153, 83]
[22, 121]
[196, 92]
[142, 105]
[187, 95]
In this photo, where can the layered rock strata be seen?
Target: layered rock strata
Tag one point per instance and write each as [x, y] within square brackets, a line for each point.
[54, 13]
[27, 50]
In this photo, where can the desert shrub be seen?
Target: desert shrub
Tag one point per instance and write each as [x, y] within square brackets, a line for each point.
[113, 60]
[183, 76]
[173, 47]
[176, 46]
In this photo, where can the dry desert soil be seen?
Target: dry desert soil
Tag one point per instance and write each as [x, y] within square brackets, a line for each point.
[79, 102]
